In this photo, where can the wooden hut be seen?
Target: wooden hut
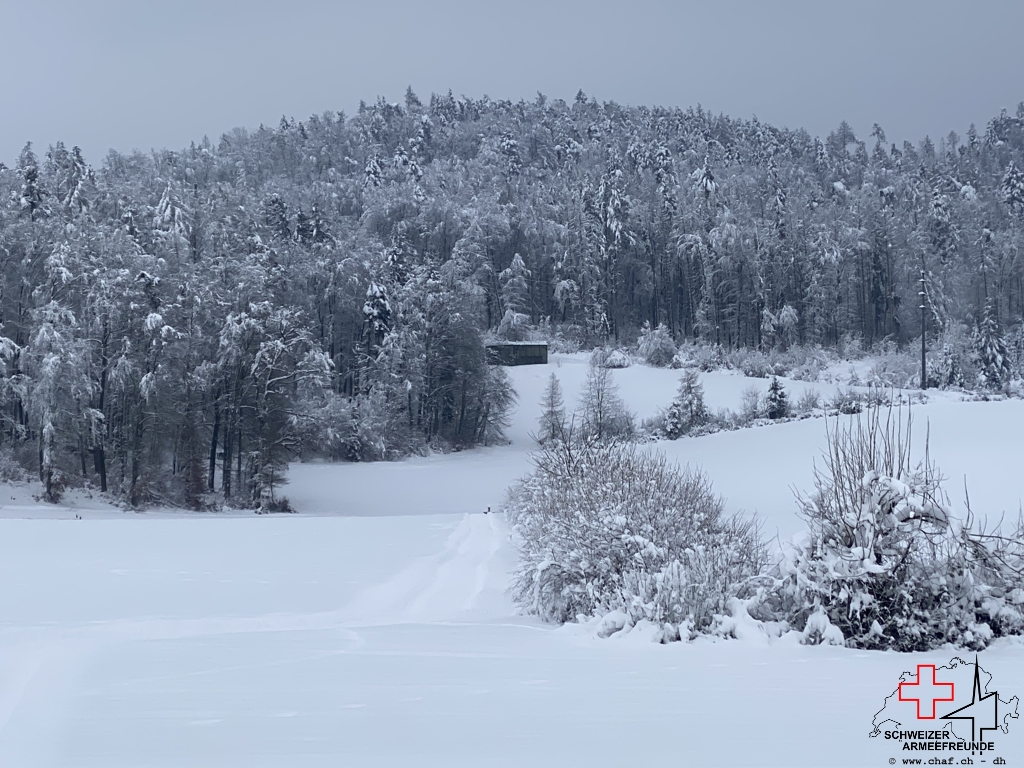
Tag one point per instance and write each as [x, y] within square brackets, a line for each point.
[517, 353]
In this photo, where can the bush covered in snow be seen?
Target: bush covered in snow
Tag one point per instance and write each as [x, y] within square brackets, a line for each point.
[609, 528]
[610, 357]
[700, 355]
[893, 367]
[808, 402]
[612, 534]
[656, 346]
[883, 564]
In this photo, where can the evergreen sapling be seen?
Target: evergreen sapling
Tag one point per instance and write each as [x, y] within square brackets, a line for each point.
[687, 411]
[776, 402]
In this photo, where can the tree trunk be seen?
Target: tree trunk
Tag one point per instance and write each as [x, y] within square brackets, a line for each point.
[213, 444]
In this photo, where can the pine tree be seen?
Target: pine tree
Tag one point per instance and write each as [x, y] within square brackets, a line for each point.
[377, 312]
[303, 228]
[993, 357]
[1012, 187]
[275, 217]
[552, 417]
[372, 172]
[31, 196]
[777, 402]
[515, 295]
[510, 154]
[687, 411]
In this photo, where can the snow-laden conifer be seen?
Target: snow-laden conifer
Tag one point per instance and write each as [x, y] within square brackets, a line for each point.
[993, 356]
[776, 402]
[553, 424]
[687, 411]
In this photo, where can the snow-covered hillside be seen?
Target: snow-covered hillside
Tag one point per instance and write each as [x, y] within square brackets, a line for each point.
[755, 469]
[373, 629]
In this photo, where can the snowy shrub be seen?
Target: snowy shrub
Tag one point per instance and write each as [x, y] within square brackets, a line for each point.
[807, 363]
[605, 528]
[751, 362]
[882, 564]
[951, 360]
[656, 346]
[894, 367]
[947, 372]
[756, 365]
[878, 397]
[10, 470]
[751, 405]
[761, 365]
[850, 347]
[701, 355]
[561, 339]
[809, 401]
[991, 566]
[808, 371]
[608, 357]
[845, 401]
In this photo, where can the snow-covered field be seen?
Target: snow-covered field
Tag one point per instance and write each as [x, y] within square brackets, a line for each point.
[372, 629]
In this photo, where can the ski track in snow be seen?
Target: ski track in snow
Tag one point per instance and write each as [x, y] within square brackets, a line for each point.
[445, 586]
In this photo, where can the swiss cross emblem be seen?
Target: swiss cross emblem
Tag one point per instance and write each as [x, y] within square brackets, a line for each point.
[926, 691]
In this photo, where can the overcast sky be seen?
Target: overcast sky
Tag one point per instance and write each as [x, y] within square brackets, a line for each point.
[139, 74]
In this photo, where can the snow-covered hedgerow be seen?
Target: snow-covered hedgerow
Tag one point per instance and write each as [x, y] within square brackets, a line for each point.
[605, 528]
[883, 563]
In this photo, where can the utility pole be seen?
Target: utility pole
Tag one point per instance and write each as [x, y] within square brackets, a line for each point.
[924, 320]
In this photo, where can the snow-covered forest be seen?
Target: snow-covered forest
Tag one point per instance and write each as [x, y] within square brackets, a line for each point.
[177, 324]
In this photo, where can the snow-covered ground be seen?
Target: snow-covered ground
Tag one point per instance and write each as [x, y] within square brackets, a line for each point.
[755, 469]
[372, 629]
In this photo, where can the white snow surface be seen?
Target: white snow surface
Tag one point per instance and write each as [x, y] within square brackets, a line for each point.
[373, 628]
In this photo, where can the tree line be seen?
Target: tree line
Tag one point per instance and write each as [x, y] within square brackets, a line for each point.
[175, 326]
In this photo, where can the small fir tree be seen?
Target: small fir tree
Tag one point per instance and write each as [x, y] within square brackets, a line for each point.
[993, 357]
[687, 411]
[776, 402]
[552, 417]
[1012, 187]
